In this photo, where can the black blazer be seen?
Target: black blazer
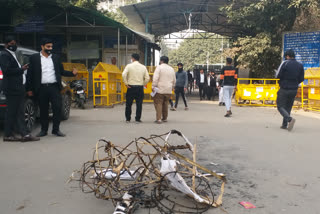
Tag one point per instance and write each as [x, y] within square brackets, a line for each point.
[205, 79]
[34, 73]
[213, 81]
[12, 74]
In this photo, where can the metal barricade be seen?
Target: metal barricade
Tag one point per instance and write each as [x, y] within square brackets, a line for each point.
[313, 99]
[107, 85]
[147, 91]
[83, 74]
[256, 92]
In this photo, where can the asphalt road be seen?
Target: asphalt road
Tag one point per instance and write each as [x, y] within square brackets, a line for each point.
[275, 170]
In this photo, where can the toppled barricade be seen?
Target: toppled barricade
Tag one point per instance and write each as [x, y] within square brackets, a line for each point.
[154, 172]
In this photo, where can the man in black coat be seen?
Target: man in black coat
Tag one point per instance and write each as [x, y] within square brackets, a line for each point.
[211, 89]
[14, 89]
[202, 84]
[291, 74]
[44, 82]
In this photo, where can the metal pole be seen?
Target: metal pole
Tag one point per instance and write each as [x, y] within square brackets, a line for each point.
[126, 49]
[118, 61]
[146, 43]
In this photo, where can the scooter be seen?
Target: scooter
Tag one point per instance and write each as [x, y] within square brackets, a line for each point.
[78, 93]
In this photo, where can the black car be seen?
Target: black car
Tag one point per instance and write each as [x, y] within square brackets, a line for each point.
[31, 106]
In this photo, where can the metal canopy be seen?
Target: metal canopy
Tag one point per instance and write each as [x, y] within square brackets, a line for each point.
[162, 17]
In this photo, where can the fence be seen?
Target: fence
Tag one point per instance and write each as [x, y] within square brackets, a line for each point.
[257, 92]
[313, 99]
[107, 85]
[83, 74]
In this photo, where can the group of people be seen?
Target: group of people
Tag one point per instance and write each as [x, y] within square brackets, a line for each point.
[165, 80]
[135, 76]
[39, 79]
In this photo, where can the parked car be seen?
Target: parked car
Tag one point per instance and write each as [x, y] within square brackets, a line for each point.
[31, 106]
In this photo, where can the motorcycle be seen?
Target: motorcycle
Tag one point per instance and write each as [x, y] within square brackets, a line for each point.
[78, 93]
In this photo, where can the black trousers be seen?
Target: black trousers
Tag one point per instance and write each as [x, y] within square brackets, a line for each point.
[134, 93]
[50, 93]
[285, 102]
[14, 120]
[211, 92]
[180, 90]
[202, 90]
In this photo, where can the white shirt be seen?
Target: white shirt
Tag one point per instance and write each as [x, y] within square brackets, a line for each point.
[48, 72]
[25, 72]
[208, 78]
[201, 78]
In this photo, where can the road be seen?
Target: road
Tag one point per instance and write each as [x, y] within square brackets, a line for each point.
[275, 170]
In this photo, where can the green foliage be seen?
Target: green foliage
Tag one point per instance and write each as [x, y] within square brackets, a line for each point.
[116, 15]
[257, 54]
[195, 51]
[264, 21]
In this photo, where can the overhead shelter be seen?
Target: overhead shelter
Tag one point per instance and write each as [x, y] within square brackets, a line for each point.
[80, 35]
[164, 17]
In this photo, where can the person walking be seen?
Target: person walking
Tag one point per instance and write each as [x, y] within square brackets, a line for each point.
[211, 89]
[220, 90]
[164, 80]
[201, 82]
[181, 86]
[291, 74]
[190, 81]
[44, 82]
[228, 77]
[135, 76]
[14, 89]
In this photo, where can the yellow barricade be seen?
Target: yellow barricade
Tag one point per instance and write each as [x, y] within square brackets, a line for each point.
[83, 74]
[147, 91]
[257, 92]
[107, 85]
[312, 73]
[313, 94]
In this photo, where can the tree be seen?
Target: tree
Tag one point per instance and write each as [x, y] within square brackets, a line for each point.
[196, 51]
[265, 21]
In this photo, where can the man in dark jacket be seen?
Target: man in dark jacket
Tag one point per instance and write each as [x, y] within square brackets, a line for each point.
[181, 86]
[291, 74]
[44, 82]
[228, 77]
[14, 89]
[211, 89]
[201, 83]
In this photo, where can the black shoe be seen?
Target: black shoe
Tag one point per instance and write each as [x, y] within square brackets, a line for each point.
[228, 114]
[220, 104]
[138, 121]
[58, 134]
[11, 139]
[283, 127]
[42, 134]
[29, 137]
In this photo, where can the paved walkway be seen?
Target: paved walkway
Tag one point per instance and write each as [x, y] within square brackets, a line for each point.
[275, 170]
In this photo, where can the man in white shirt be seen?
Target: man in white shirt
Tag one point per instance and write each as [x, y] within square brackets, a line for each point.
[135, 76]
[44, 82]
[164, 80]
[14, 89]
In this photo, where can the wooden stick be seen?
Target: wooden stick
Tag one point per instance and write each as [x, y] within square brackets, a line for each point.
[194, 169]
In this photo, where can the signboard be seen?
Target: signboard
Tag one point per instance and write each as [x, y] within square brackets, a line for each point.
[33, 24]
[306, 46]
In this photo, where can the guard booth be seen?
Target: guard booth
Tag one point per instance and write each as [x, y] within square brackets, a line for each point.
[83, 74]
[107, 85]
[257, 92]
